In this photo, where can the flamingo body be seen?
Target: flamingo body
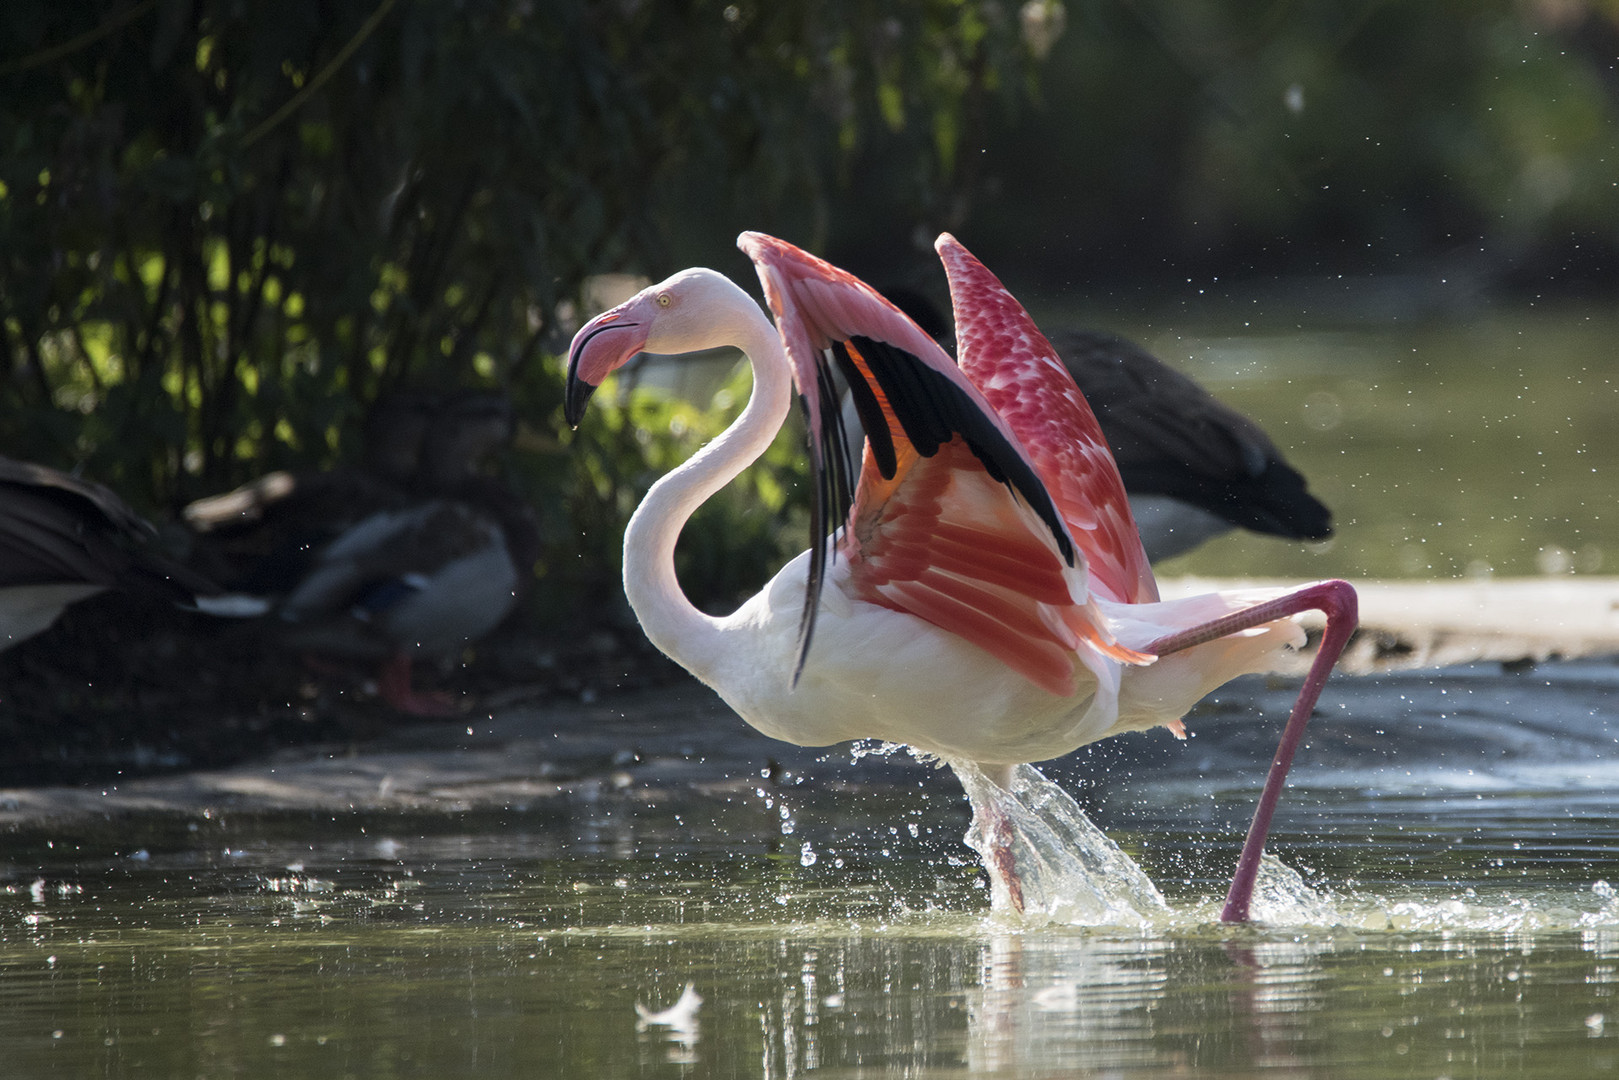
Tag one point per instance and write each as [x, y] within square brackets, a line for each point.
[877, 672]
[987, 598]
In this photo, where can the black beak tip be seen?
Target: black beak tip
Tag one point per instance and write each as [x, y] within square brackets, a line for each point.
[577, 397]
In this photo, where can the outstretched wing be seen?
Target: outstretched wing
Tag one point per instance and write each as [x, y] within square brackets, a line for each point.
[1004, 354]
[951, 521]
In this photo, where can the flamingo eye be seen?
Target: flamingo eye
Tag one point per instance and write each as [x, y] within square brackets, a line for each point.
[664, 300]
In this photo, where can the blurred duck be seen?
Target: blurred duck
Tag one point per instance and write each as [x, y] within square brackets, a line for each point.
[262, 537]
[1193, 467]
[424, 555]
[63, 539]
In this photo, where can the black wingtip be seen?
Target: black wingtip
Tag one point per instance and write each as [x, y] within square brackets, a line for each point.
[932, 410]
[812, 604]
[829, 502]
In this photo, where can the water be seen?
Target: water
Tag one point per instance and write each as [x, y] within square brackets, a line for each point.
[468, 956]
[1063, 869]
[1441, 899]
[1444, 449]
[1452, 915]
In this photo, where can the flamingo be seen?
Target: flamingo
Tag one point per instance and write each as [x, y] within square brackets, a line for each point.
[987, 599]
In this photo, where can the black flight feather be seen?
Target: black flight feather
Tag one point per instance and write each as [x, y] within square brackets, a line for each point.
[871, 413]
[830, 500]
[932, 410]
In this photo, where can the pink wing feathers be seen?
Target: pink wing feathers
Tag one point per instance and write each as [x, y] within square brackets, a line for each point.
[1006, 357]
[822, 311]
[934, 530]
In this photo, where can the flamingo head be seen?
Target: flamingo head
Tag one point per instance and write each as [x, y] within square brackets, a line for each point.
[671, 317]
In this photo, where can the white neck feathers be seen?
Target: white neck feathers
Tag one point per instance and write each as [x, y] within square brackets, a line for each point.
[696, 640]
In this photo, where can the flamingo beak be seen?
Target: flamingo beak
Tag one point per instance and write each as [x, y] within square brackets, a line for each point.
[595, 353]
[578, 396]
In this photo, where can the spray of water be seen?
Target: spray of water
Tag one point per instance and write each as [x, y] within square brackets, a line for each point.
[1068, 870]
[1070, 873]
[1283, 898]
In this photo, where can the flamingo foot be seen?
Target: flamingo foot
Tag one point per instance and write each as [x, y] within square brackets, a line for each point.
[393, 685]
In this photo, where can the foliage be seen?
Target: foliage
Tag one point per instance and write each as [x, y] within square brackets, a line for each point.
[225, 228]
[1230, 138]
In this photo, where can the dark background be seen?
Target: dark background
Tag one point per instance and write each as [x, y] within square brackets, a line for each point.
[226, 228]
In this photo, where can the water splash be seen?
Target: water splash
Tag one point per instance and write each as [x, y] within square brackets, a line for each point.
[1071, 874]
[1283, 898]
[1608, 913]
[881, 748]
[1068, 870]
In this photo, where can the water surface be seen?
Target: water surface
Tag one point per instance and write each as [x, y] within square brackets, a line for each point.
[1446, 448]
[1459, 920]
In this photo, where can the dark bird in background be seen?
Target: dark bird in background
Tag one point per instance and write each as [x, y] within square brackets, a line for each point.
[64, 539]
[415, 555]
[1193, 467]
[261, 538]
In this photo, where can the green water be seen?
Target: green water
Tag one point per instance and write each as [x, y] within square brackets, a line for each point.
[500, 952]
[1444, 449]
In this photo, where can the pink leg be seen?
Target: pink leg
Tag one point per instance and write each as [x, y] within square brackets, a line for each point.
[393, 684]
[1336, 600]
[995, 828]
[1001, 841]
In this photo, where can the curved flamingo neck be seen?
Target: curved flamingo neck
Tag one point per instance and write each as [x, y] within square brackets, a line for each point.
[694, 639]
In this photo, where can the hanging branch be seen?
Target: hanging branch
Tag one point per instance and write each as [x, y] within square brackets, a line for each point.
[294, 103]
[84, 40]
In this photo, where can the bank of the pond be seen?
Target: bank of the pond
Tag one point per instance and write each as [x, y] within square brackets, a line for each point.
[644, 739]
[1406, 625]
